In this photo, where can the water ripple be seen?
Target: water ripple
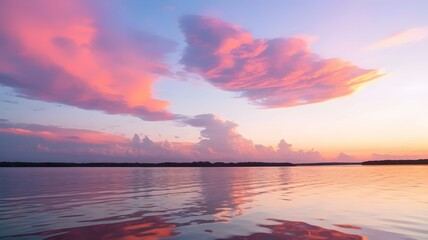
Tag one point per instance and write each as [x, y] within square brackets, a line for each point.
[214, 203]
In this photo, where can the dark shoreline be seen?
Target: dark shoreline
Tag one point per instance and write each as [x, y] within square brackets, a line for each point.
[396, 162]
[128, 164]
[208, 164]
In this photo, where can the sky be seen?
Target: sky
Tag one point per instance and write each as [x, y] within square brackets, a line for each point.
[155, 81]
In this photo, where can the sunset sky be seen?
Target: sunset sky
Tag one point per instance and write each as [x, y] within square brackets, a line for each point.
[156, 81]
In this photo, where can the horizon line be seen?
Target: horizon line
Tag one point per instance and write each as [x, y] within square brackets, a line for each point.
[207, 164]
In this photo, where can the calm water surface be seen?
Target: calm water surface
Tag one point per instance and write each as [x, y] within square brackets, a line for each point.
[334, 202]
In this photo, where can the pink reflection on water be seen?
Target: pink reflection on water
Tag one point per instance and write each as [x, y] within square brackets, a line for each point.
[288, 230]
[219, 203]
[154, 228]
[148, 228]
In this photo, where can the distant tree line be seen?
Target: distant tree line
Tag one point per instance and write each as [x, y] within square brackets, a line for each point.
[164, 164]
[206, 164]
[396, 162]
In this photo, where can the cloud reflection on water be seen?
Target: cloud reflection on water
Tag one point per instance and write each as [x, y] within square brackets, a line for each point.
[154, 228]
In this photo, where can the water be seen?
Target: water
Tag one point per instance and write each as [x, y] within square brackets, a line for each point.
[331, 202]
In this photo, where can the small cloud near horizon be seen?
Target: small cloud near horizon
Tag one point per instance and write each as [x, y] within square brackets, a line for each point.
[343, 157]
[377, 156]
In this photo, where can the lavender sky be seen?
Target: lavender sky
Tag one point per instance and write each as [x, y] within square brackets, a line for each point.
[155, 81]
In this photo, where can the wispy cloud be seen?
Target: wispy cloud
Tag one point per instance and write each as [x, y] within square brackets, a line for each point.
[69, 52]
[408, 36]
[59, 134]
[280, 72]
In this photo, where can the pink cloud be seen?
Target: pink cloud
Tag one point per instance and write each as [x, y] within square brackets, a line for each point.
[272, 73]
[412, 35]
[58, 134]
[343, 157]
[220, 141]
[55, 134]
[66, 52]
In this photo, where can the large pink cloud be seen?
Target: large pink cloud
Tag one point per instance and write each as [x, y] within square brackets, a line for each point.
[72, 53]
[279, 72]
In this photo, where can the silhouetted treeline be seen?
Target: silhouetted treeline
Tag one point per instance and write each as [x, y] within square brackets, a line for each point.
[396, 162]
[205, 164]
[165, 164]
